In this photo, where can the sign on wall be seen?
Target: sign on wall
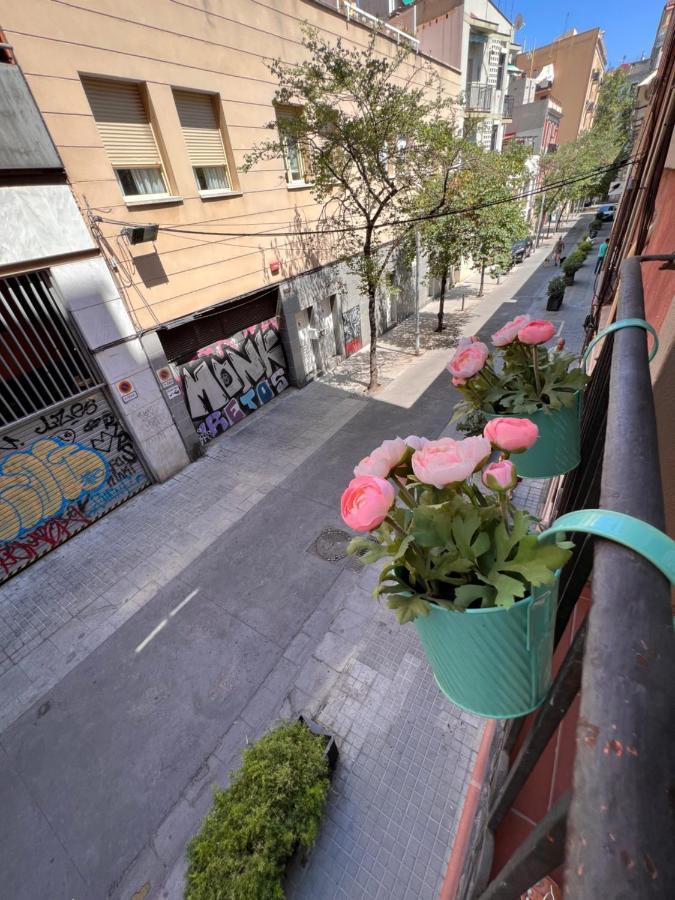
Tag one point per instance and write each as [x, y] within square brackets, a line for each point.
[351, 329]
[58, 473]
[230, 379]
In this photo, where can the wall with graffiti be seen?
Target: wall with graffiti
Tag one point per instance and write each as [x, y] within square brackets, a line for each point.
[58, 472]
[230, 379]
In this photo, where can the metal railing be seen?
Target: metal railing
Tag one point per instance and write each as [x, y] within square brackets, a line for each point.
[507, 107]
[614, 832]
[478, 97]
[351, 11]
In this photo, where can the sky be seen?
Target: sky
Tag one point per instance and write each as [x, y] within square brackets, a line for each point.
[629, 27]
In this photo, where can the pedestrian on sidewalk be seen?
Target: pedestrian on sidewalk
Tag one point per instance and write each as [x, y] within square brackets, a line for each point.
[558, 251]
[602, 250]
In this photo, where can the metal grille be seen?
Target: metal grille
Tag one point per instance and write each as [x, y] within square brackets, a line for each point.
[41, 361]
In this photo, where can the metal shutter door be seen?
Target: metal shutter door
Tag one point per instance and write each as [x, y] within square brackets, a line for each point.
[200, 128]
[123, 123]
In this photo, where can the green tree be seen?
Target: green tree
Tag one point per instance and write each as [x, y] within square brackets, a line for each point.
[613, 124]
[365, 121]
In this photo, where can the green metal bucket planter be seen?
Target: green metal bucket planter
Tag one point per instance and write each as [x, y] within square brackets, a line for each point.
[557, 449]
[493, 662]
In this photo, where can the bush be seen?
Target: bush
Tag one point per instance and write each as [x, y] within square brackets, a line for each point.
[596, 224]
[573, 262]
[273, 805]
[473, 424]
[556, 288]
[585, 246]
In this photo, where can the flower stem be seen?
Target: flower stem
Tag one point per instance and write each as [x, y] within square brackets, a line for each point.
[395, 526]
[406, 496]
[537, 379]
[504, 507]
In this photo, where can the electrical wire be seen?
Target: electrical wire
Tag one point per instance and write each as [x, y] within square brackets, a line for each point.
[170, 229]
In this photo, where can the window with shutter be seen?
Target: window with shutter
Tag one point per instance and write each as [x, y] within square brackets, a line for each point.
[127, 136]
[296, 160]
[204, 141]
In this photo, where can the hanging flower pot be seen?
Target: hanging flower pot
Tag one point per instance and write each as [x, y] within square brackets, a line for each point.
[462, 563]
[527, 381]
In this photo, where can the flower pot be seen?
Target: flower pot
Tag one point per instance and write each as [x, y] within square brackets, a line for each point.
[569, 279]
[554, 302]
[557, 449]
[493, 662]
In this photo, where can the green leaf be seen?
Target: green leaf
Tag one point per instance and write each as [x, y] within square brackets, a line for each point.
[408, 608]
[466, 594]
[431, 525]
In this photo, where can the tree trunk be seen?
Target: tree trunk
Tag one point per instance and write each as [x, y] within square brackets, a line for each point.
[482, 280]
[372, 322]
[441, 306]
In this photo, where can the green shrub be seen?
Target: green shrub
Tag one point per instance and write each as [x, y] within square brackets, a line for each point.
[273, 805]
[473, 423]
[556, 288]
[573, 262]
[596, 224]
[585, 246]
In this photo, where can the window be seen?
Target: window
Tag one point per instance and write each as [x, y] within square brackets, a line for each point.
[500, 71]
[122, 122]
[494, 137]
[203, 137]
[295, 158]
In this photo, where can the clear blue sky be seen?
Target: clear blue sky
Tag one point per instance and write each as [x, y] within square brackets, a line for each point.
[629, 26]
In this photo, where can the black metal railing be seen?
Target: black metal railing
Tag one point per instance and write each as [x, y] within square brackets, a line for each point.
[507, 107]
[615, 831]
[478, 96]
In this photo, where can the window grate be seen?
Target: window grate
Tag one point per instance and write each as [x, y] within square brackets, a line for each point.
[41, 361]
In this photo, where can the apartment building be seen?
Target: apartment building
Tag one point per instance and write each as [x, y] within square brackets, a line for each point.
[153, 122]
[574, 64]
[537, 113]
[474, 36]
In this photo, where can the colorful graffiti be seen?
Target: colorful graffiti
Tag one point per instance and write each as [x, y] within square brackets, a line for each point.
[56, 480]
[230, 379]
[351, 329]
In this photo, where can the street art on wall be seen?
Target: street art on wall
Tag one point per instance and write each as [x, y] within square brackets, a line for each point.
[351, 329]
[230, 379]
[59, 472]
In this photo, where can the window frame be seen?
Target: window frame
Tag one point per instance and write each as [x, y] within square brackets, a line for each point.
[289, 112]
[228, 163]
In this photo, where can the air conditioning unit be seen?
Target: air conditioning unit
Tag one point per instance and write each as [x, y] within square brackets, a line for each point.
[140, 234]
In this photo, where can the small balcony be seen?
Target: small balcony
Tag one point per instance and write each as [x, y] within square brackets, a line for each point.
[507, 107]
[479, 97]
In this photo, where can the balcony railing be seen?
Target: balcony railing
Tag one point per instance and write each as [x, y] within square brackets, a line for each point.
[479, 96]
[617, 822]
[507, 107]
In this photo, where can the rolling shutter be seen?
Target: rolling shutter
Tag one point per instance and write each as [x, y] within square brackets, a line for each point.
[200, 128]
[123, 123]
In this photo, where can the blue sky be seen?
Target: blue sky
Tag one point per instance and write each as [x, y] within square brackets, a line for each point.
[629, 27]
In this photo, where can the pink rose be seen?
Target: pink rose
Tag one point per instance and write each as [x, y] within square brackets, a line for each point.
[366, 502]
[383, 458]
[446, 461]
[500, 476]
[538, 331]
[468, 360]
[416, 443]
[510, 434]
[509, 332]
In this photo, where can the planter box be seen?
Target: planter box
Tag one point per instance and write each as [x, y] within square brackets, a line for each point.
[569, 279]
[493, 662]
[554, 303]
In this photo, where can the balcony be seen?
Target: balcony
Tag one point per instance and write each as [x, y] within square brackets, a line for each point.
[479, 97]
[612, 831]
[507, 107]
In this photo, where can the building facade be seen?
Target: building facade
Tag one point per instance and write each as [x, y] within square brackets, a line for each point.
[153, 111]
[574, 64]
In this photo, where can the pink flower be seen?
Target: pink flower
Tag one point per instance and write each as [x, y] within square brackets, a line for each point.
[416, 443]
[538, 331]
[468, 359]
[446, 461]
[500, 476]
[509, 332]
[511, 434]
[383, 458]
[458, 382]
[366, 502]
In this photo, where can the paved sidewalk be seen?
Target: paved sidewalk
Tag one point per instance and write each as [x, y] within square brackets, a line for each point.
[142, 656]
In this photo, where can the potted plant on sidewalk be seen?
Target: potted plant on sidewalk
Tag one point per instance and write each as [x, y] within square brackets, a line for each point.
[555, 291]
[572, 264]
[525, 380]
[462, 563]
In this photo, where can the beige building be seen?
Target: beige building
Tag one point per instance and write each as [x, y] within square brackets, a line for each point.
[576, 65]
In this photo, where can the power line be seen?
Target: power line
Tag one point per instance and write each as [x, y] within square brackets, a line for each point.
[170, 229]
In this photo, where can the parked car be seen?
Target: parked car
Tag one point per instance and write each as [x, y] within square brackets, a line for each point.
[521, 249]
[606, 212]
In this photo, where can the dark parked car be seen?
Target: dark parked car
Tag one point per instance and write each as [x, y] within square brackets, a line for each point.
[606, 212]
[522, 249]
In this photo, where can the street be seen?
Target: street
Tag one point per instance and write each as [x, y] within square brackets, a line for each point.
[158, 642]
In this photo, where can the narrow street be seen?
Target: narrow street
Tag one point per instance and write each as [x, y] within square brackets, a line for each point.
[129, 684]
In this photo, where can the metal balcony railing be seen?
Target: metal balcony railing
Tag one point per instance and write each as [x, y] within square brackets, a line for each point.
[479, 96]
[507, 107]
[614, 831]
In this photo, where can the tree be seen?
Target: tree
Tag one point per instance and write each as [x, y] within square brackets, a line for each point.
[613, 123]
[364, 121]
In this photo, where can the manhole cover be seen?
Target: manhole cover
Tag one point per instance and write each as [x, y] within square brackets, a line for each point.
[332, 544]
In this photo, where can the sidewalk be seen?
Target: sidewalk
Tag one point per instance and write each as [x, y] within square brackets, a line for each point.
[142, 656]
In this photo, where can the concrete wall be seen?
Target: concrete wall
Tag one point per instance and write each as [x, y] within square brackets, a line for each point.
[25, 142]
[573, 59]
[222, 48]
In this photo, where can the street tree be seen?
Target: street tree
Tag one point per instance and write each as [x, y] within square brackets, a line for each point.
[363, 122]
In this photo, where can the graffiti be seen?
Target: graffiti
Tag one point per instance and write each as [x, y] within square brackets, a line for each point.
[58, 472]
[351, 327]
[232, 378]
[38, 484]
[66, 415]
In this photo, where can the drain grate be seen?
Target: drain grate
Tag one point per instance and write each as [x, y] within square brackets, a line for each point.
[331, 544]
